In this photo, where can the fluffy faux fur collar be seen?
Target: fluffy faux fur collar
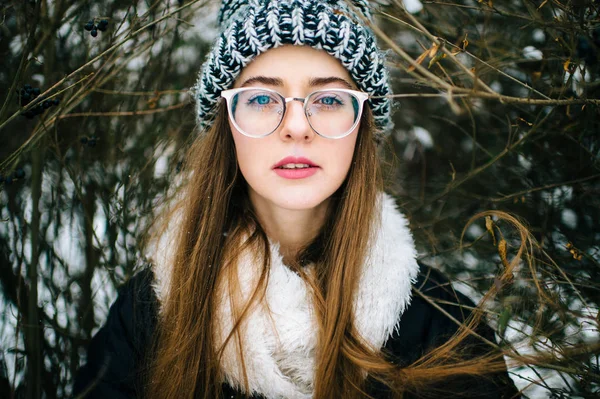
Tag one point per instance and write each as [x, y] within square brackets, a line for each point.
[279, 338]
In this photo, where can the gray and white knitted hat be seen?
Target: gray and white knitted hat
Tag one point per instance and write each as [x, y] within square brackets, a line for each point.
[251, 27]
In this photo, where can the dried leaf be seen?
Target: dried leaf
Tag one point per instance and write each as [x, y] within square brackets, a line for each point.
[433, 50]
[152, 103]
[436, 59]
[419, 60]
[502, 252]
[489, 225]
[524, 121]
[567, 64]
[576, 253]
[430, 52]
[462, 47]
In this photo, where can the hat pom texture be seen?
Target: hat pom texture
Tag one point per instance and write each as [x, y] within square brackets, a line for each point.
[251, 27]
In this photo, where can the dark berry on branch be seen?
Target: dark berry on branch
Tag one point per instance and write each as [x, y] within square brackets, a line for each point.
[27, 87]
[92, 142]
[83, 140]
[36, 92]
[94, 32]
[56, 101]
[19, 173]
[46, 104]
[103, 25]
[25, 99]
[89, 26]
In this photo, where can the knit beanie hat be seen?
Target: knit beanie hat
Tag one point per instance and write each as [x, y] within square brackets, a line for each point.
[251, 27]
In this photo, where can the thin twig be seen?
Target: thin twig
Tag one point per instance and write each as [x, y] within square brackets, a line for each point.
[453, 57]
[529, 360]
[124, 113]
[140, 93]
[458, 182]
[102, 54]
[541, 188]
[439, 43]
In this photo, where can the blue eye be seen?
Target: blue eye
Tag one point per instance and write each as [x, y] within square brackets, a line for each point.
[330, 101]
[260, 99]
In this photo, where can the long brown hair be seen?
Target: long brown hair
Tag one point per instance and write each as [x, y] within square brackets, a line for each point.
[217, 224]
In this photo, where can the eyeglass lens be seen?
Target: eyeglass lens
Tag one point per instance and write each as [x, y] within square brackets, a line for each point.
[331, 113]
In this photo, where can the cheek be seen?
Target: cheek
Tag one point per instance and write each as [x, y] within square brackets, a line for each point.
[345, 153]
[249, 153]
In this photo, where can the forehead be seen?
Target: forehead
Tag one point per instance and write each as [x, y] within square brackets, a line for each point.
[294, 66]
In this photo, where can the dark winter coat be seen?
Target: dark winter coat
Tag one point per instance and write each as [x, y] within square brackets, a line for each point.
[116, 353]
[279, 345]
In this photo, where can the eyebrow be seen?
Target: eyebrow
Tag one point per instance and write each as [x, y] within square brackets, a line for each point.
[332, 79]
[266, 80]
[313, 82]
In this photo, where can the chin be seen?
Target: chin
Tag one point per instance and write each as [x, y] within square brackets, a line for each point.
[299, 203]
[299, 196]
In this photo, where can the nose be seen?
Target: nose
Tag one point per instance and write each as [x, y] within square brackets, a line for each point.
[294, 125]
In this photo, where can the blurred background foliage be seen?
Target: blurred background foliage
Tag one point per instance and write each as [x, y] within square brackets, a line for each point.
[496, 148]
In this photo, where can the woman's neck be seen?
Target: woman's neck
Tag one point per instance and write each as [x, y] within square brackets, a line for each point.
[291, 228]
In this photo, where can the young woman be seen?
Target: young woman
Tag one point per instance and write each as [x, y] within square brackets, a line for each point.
[283, 270]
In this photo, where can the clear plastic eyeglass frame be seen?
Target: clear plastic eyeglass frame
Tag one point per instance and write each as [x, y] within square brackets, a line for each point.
[361, 96]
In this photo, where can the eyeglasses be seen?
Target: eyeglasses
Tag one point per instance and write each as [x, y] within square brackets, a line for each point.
[258, 112]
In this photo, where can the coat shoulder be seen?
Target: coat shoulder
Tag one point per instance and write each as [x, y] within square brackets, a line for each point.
[117, 351]
[120, 354]
[425, 325]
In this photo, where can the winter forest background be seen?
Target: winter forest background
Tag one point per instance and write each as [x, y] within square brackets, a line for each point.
[495, 158]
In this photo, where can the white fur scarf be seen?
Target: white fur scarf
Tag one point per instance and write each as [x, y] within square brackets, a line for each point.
[279, 337]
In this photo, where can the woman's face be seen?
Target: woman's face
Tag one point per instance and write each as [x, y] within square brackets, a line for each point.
[294, 71]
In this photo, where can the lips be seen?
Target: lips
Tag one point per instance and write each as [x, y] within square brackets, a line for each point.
[295, 163]
[295, 168]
